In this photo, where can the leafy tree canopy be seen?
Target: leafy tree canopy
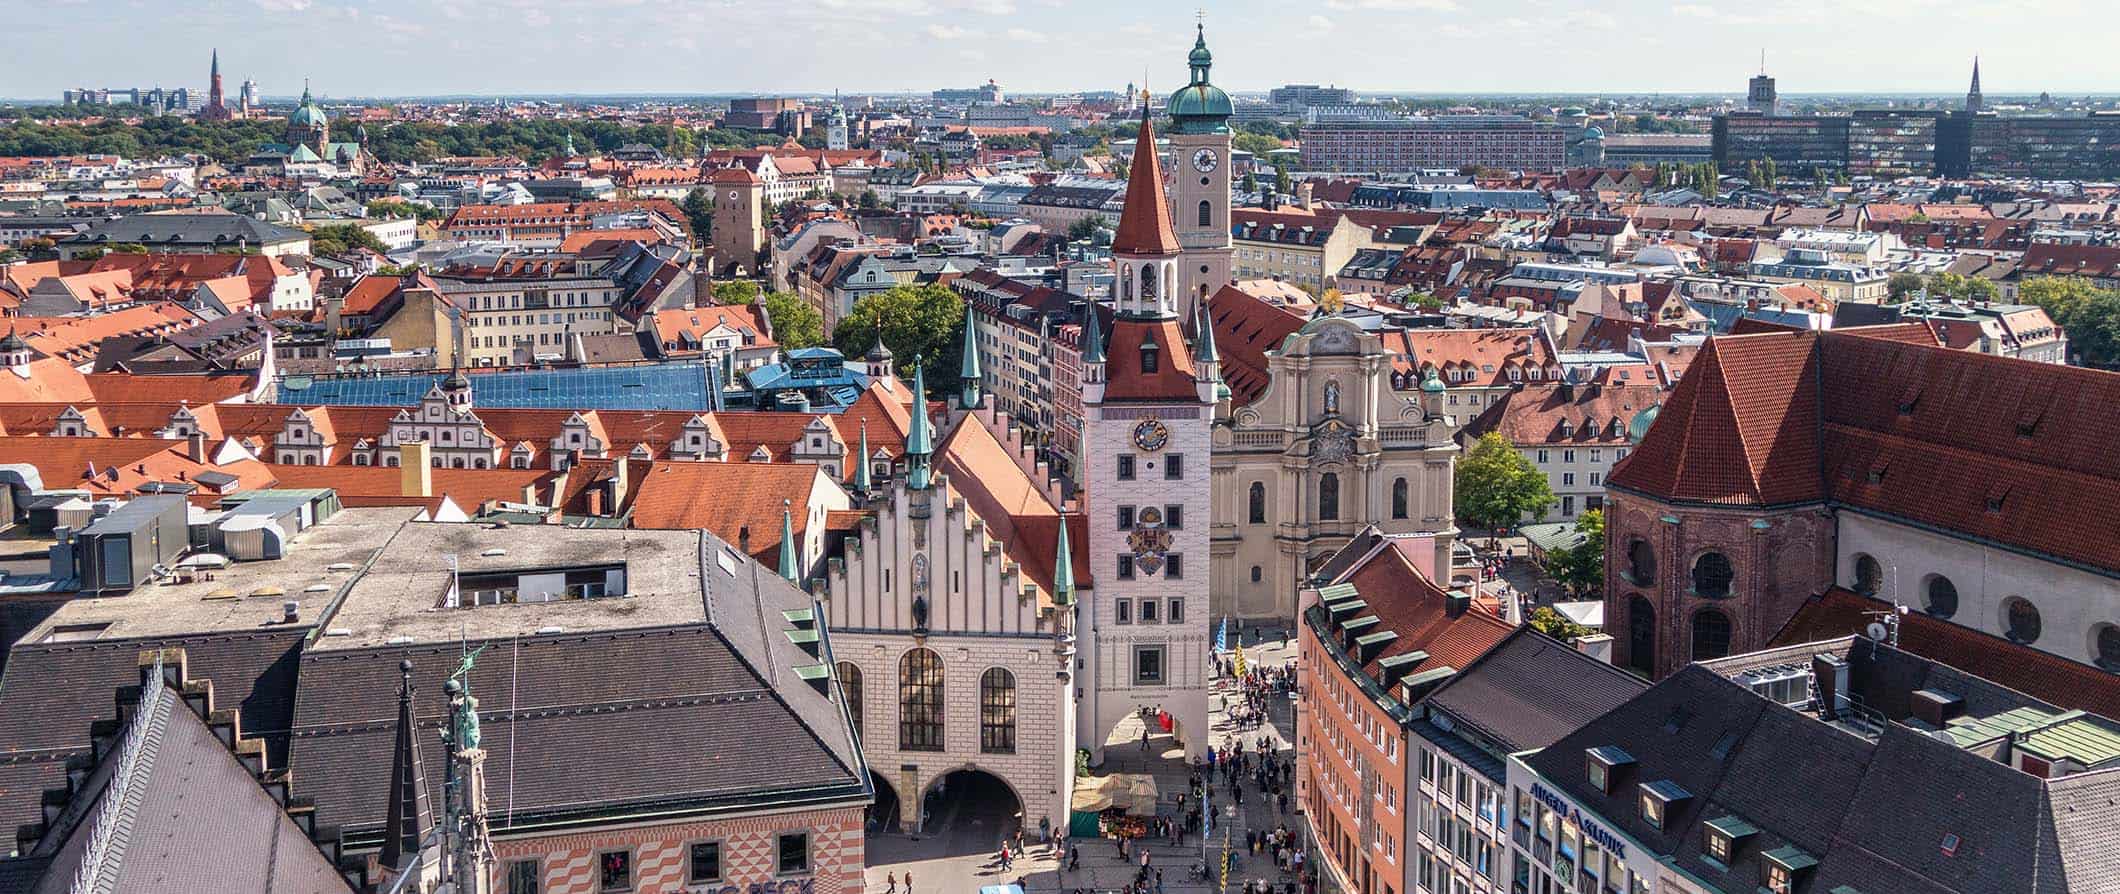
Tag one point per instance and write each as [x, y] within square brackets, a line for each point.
[1497, 486]
[926, 321]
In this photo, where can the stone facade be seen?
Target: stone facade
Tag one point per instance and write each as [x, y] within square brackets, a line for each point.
[658, 855]
[1655, 602]
[1329, 410]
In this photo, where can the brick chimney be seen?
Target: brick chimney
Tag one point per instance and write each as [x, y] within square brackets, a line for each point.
[195, 446]
[415, 470]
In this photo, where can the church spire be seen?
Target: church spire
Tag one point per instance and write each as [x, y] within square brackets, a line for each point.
[1092, 337]
[788, 549]
[919, 441]
[1974, 102]
[1144, 222]
[405, 816]
[968, 372]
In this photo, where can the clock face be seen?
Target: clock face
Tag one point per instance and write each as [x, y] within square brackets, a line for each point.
[1205, 160]
[1150, 435]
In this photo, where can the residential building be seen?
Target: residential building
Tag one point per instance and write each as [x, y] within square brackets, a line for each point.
[1571, 432]
[2022, 331]
[187, 232]
[1844, 765]
[1304, 246]
[1836, 280]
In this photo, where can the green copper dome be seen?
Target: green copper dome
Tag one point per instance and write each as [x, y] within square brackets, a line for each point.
[1432, 383]
[1639, 425]
[1201, 107]
[307, 115]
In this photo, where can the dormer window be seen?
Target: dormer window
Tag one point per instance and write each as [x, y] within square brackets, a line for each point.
[1657, 800]
[1151, 357]
[1602, 763]
[1781, 868]
[1721, 837]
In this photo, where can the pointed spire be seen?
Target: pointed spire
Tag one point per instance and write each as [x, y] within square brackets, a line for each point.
[217, 63]
[405, 816]
[305, 93]
[1063, 568]
[788, 549]
[1092, 337]
[1144, 222]
[862, 480]
[1204, 337]
[919, 442]
[968, 372]
[1973, 100]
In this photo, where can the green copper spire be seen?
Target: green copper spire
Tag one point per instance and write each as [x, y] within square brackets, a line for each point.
[788, 549]
[919, 442]
[862, 481]
[968, 373]
[570, 153]
[1092, 337]
[1204, 345]
[1063, 568]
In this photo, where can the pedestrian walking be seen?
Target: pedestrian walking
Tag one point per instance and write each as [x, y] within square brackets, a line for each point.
[908, 881]
[890, 883]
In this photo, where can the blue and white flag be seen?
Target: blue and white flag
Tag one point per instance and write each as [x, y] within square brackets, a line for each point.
[1222, 636]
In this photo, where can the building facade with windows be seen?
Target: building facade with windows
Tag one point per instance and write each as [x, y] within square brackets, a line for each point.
[1392, 145]
[1572, 433]
[1329, 445]
[1148, 401]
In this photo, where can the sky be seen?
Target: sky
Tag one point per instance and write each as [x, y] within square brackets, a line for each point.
[429, 47]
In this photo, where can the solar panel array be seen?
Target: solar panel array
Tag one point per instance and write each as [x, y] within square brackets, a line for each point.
[657, 386]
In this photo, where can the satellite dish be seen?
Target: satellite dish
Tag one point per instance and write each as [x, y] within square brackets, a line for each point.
[1876, 631]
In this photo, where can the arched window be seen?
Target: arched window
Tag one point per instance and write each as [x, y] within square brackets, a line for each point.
[1258, 503]
[850, 689]
[1207, 214]
[920, 701]
[1148, 282]
[997, 711]
[1940, 597]
[1869, 575]
[1641, 635]
[1711, 634]
[1398, 498]
[1329, 497]
[1641, 563]
[2105, 646]
[1256, 573]
[1712, 575]
[2020, 618]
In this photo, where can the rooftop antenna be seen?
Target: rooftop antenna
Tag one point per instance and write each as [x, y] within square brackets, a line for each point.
[1762, 61]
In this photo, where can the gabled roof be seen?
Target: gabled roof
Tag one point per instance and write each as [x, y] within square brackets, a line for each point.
[1174, 378]
[1508, 696]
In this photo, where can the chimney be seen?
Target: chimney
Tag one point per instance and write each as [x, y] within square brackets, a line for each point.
[195, 446]
[595, 498]
[415, 470]
[290, 612]
[1456, 602]
[1304, 195]
[621, 482]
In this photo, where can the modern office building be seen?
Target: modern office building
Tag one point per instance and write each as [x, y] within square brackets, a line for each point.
[1795, 143]
[1401, 144]
[1887, 143]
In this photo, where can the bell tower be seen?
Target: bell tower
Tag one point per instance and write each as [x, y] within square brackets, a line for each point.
[1200, 180]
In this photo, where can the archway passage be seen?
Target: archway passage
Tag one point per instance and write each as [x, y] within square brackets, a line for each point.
[1641, 636]
[970, 811]
[882, 816]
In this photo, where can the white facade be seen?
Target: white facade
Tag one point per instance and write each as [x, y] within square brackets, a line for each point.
[1926, 571]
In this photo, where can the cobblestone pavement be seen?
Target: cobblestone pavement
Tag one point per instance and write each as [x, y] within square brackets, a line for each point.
[963, 859]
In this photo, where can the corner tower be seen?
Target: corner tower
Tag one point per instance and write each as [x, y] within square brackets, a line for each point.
[1200, 143]
[1148, 407]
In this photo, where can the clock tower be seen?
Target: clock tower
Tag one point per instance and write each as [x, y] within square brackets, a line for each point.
[1148, 406]
[1200, 181]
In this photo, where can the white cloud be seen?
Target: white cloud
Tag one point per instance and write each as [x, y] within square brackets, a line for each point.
[283, 5]
[1026, 35]
[537, 18]
[1422, 5]
[949, 32]
[1320, 23]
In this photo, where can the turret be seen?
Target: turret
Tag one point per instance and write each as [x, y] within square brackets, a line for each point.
[1092, 354]
[405, 816]
[1063, 568]
[864, 480]
[878, 360]
[919, 440]
[968, 372]
[788, 548]
[1207, 360]
[15, 354]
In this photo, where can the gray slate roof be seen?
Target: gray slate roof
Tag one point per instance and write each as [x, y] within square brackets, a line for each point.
[190, 228]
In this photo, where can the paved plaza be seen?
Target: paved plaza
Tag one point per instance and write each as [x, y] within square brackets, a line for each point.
[961, 854]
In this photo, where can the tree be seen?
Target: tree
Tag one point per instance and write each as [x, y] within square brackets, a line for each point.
[924, 320]
[1580, 569]
[1766, 169]
[1496, 486]
[1281, 183]
[1957, 287]
[128, 248]
[869, 200]
[1424, 301]
[698, 207]
[1554, 624]
[340, 238]
[1251, 183]
[2090, 315]
[734, 291]
[1086, 227]
[1902, 284]
[795, 323]
[393, 208]
[1257, 144]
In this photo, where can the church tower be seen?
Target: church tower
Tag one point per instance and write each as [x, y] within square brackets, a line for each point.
[1200, 182]
[1974, 102]
[216, 108]
[1148, 413]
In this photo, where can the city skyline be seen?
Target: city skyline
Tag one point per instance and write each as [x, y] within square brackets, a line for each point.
[392, 48]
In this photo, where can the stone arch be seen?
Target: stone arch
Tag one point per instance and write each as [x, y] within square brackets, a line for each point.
[1712, 634]
[1641, 634]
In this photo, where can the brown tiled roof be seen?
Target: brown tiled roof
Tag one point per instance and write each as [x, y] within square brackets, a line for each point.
[2043, 259]
[1407, 603]
[1144, 222]
[1595, 414]
[726, 498]
[1740, 427]
[1246, 327]
[1173, 379]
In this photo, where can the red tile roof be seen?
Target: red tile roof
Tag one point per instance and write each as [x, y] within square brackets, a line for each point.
[1173, 379]
[1594, 414]
[726, 499]
[2043, 259]
[1406, 602]
[1144, 223]
[1246, 327]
